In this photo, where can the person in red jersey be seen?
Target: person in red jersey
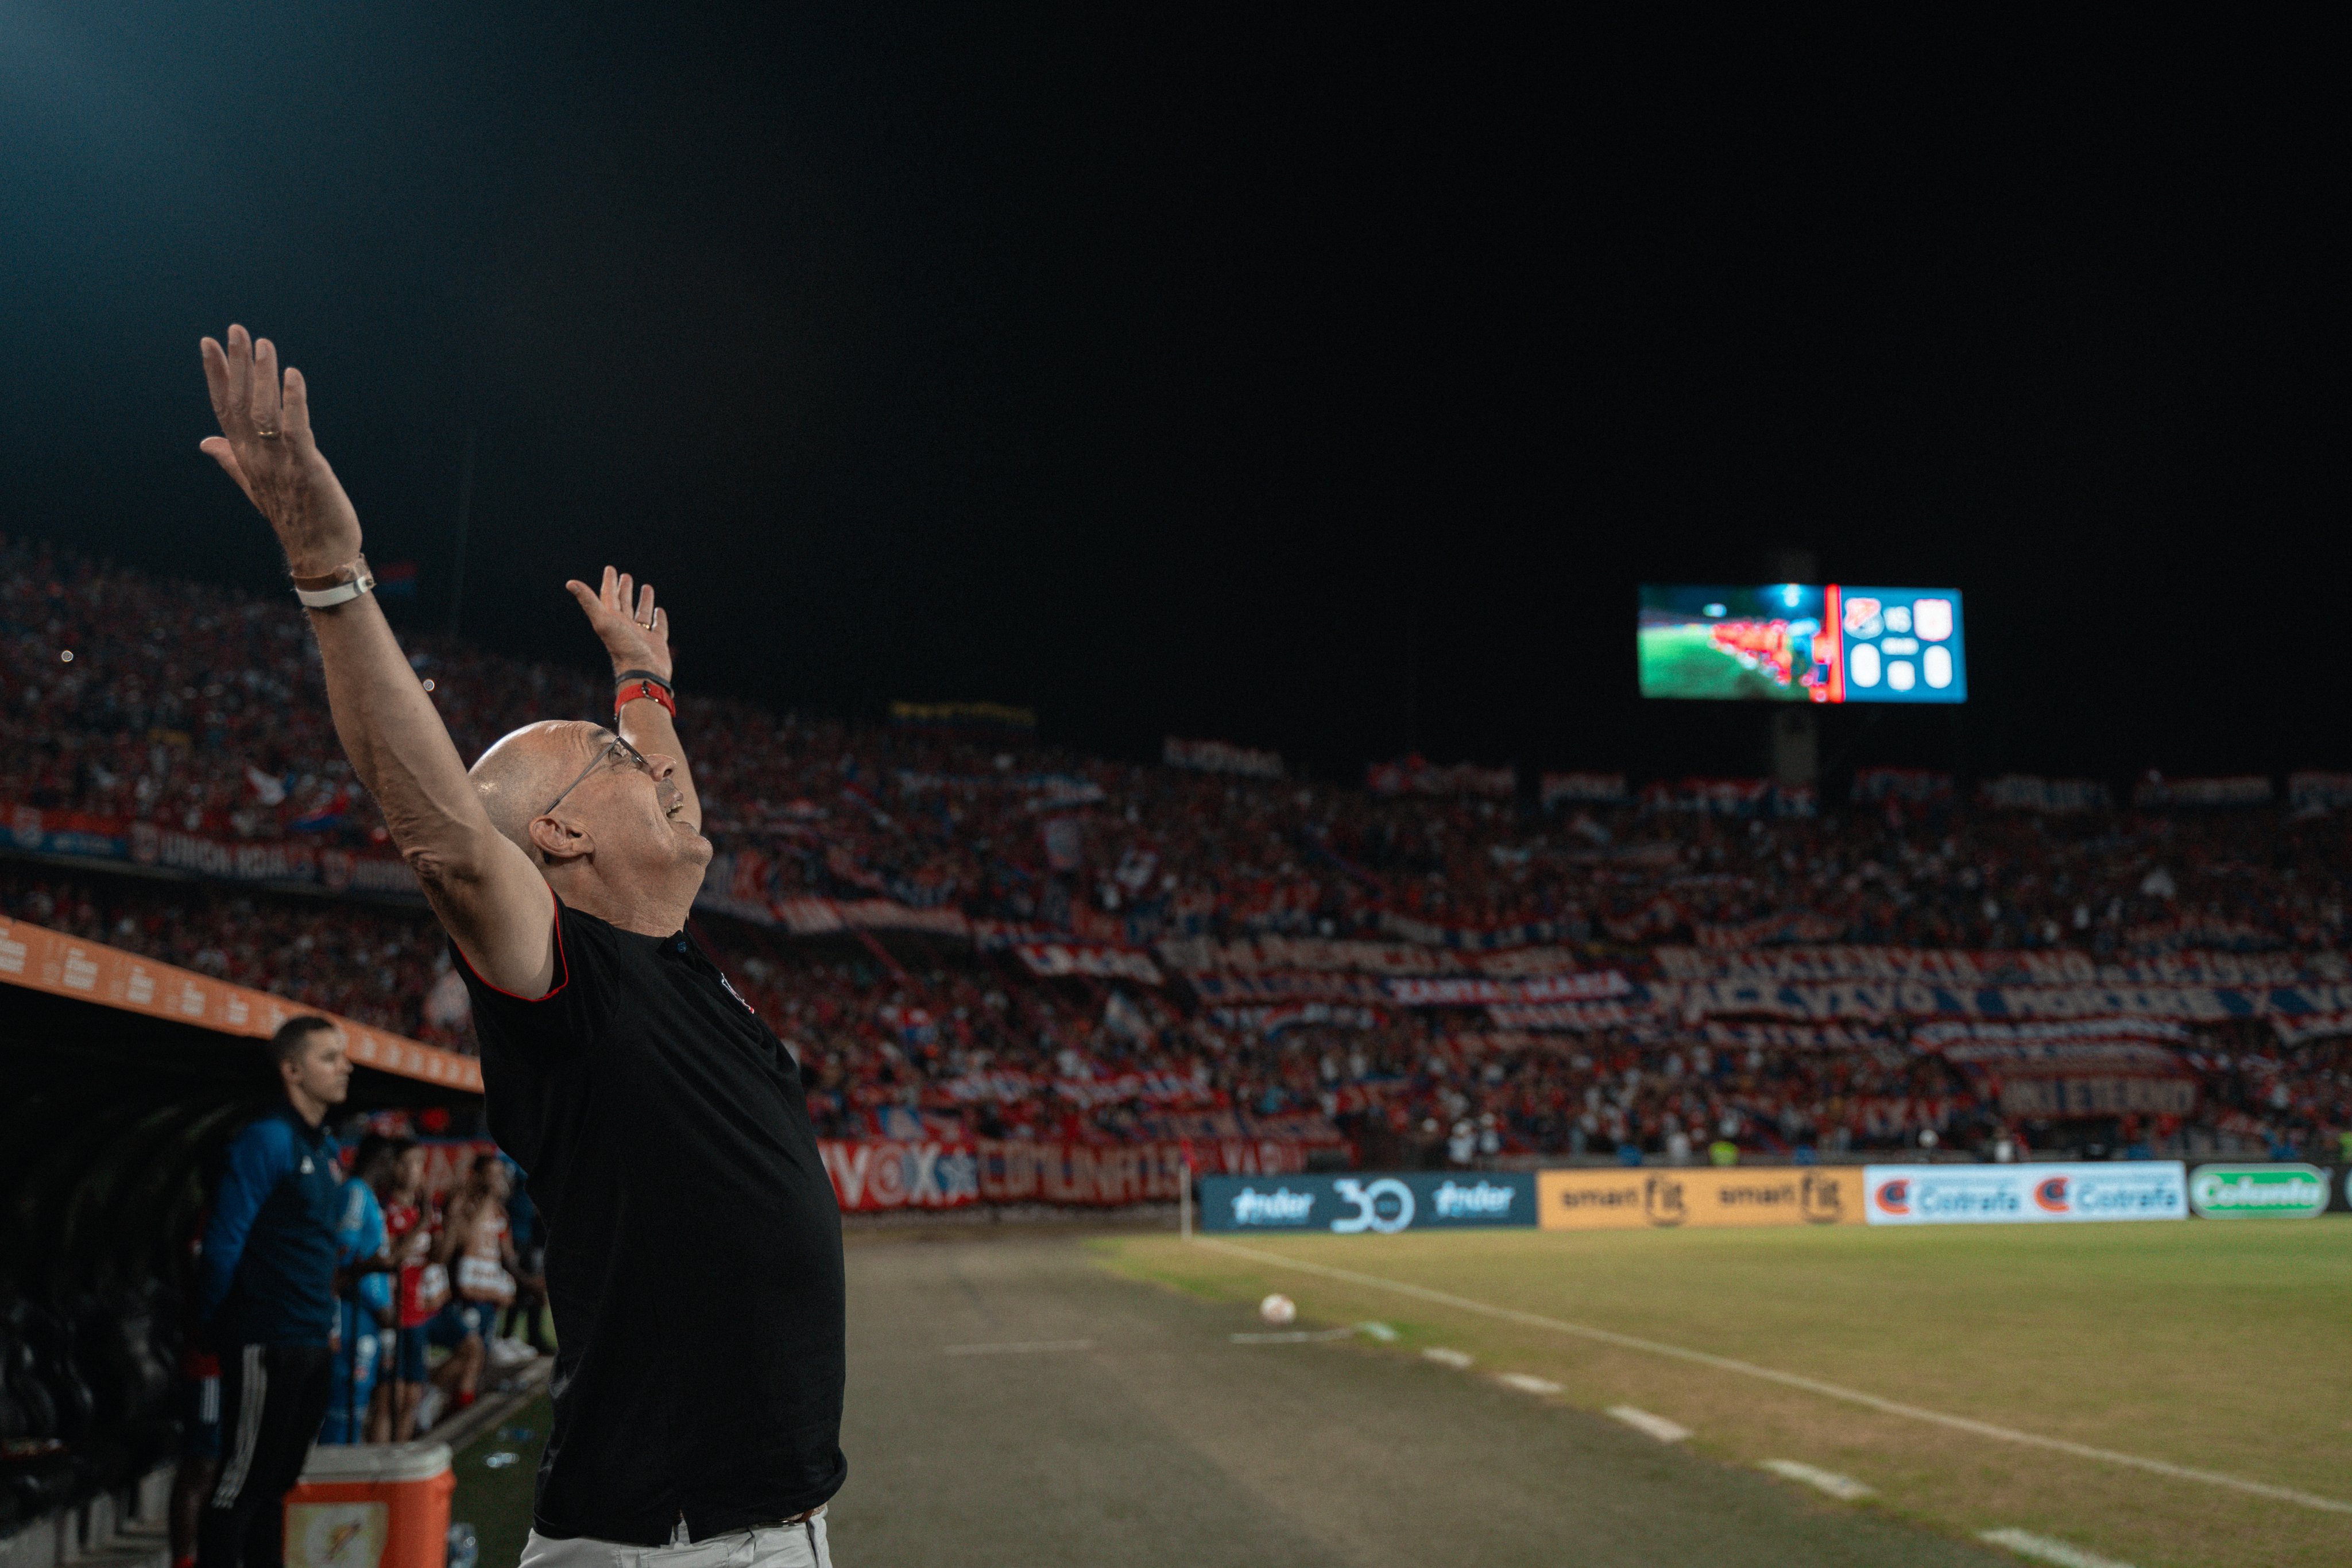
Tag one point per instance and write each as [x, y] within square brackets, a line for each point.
[694, 1259]
[418, 1290]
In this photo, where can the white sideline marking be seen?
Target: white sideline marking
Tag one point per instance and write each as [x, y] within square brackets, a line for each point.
[1292, 1336]
[1845, 1488]
[1021, 1347]
[2025, 1543]
[1796, 1380]
[1526, 1385]
[1381, 1331]
[1657, 1427]
[1459, 1360]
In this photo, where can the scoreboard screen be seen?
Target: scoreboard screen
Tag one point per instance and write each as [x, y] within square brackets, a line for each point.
[1797, 642]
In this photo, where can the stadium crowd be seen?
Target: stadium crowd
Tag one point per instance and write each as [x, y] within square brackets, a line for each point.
[127, 700]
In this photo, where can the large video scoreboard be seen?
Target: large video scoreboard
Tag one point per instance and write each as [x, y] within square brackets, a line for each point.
[1796, 642]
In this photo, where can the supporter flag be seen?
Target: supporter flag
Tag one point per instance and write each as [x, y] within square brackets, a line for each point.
[396, 580]
[330, 813]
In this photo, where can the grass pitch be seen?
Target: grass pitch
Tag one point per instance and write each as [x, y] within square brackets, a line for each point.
[2225, 1346]
[496, 1498]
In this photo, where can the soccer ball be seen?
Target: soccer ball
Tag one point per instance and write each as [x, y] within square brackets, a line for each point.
[1278, 1309]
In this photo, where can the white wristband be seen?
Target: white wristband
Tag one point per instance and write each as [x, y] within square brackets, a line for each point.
[360, 581]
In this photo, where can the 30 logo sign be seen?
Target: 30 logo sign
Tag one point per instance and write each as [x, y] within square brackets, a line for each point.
[1371, 1212]
[1375, 1205]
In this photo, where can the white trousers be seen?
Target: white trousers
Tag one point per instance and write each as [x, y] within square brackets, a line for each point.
[786, 1546]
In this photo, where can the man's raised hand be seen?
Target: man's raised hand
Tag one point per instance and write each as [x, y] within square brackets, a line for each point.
[265, 446]
[634, 631]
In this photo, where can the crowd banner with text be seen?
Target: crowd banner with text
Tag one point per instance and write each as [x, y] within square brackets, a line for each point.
[1962, 967]
[876, 1175]
[1095, 960]
[1413, 775]
[1368, 1202]
[2054, 797]
[1221, 756]
[1583, 789]
[2026, 1193]
[964, 715]
[1649, 1197]
[1917, 785]
[289, 862]
[1449, 992]
[1898, 999]
[2250, 789]
[1276, 954]
[2281, 1191]
[1729, 798]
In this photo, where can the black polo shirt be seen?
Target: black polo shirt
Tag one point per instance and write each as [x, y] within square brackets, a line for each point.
[693, 1242]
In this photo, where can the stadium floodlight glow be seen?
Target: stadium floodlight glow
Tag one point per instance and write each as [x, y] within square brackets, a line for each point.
[1795, 642]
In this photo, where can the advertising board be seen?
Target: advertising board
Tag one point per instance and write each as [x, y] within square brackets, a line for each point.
[2026, 1193]
[2282, 1191]
[876, 1174]
[1633, 1198]
[1368, 1202]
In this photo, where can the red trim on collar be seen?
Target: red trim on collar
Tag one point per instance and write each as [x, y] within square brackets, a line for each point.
[562, 967]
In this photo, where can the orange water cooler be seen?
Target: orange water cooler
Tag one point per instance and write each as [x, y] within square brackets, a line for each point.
[371, 1505]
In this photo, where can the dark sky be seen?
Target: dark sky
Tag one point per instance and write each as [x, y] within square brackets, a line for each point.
[1291, 381]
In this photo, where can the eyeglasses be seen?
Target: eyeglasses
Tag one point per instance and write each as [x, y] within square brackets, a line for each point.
[616, 746]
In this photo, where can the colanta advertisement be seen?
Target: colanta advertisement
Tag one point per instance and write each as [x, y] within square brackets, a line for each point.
[1626, 1200]
[2026, 1193]
[1368, 1203]
[2268, 1191]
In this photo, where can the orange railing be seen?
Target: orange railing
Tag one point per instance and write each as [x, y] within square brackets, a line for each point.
[40, 959]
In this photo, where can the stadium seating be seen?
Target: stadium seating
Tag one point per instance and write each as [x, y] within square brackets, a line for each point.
[199, 712]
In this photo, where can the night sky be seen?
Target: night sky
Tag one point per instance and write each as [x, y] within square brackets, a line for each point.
[1302, 382]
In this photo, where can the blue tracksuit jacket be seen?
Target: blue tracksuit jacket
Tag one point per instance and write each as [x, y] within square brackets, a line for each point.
[269, 1261]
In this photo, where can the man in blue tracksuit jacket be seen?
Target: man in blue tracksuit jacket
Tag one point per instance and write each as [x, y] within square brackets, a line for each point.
[268, 1283]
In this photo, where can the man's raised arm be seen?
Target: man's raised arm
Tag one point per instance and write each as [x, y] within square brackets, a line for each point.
[483, 887]
[635, 633]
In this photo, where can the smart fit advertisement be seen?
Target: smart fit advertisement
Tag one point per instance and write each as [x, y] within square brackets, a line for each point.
[1648, 1198]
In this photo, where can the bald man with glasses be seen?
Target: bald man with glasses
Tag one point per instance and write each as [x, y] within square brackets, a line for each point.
[693, 1244]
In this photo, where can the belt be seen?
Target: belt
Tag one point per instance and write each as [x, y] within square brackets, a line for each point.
[801, 1517]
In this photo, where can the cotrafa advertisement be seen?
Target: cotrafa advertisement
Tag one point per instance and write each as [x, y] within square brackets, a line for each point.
[2026, 1193]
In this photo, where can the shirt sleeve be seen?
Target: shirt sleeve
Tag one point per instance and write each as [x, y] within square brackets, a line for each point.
[565, 1019]
[258, 1160]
